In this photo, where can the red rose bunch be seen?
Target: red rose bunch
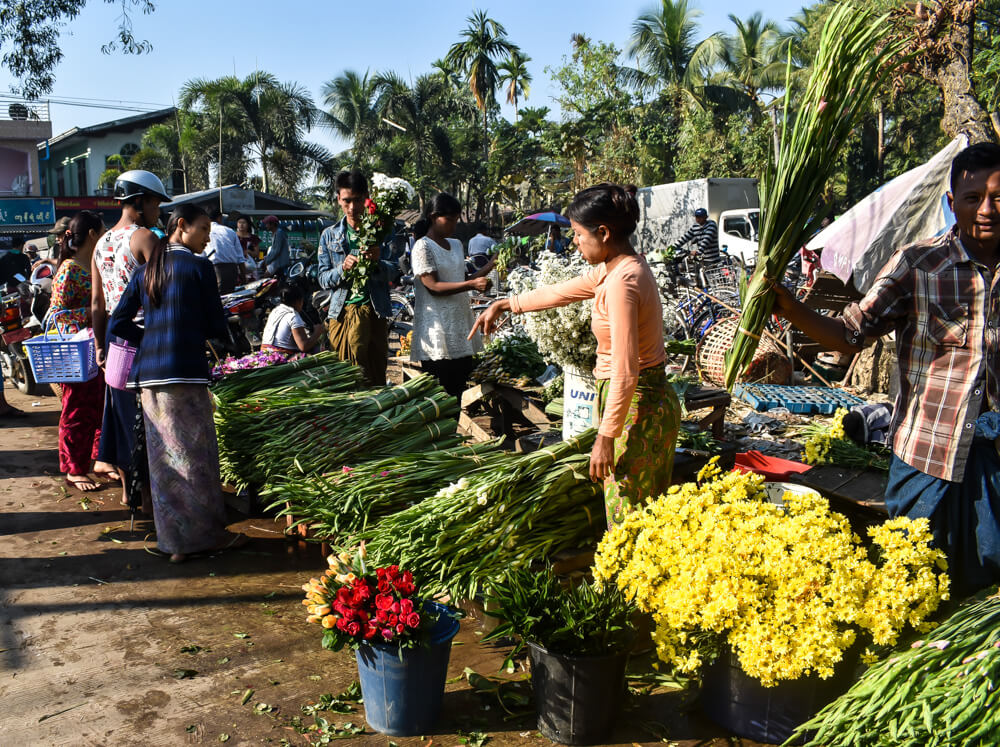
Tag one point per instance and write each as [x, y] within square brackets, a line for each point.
[354, 606]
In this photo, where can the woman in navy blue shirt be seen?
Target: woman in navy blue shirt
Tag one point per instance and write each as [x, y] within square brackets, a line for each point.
[179, 296]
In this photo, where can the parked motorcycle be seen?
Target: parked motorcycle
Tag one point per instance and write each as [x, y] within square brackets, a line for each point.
[21, 318]
[246, 309]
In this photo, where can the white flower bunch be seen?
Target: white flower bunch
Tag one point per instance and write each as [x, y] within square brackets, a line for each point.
[452, 489]
[563, 335]
[394, 188]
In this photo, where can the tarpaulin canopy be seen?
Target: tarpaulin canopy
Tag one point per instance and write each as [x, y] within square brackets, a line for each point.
[911, 207]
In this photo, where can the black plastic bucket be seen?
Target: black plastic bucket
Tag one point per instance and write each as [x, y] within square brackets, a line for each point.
[578, 697]
[740, 704]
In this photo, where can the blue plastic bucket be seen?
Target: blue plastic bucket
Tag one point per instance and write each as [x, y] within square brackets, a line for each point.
[402, 694]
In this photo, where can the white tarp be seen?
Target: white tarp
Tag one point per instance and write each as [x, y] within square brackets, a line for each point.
[911, 207]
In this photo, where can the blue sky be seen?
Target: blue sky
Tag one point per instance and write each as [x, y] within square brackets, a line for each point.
[312, 42]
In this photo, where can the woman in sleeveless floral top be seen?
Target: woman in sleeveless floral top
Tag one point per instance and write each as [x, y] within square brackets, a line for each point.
[82, 402]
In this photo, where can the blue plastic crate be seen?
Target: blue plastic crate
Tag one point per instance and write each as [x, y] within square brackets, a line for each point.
[802, 400]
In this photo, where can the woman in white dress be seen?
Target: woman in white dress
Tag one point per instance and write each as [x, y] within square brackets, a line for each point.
[442, 313]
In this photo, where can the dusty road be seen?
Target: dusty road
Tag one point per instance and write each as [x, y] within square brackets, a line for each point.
[103, 643]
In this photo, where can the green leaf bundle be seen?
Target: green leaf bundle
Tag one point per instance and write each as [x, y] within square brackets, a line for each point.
[942, 691]
[581, 620]
[305, 430]
[343, 503]
[498, 517]
[856, 54]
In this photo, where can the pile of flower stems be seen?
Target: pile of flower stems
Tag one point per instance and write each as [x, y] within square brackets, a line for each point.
[338, 505]
[856, 55]
[333, 373]
[312, 432]
[943, 691]
[500, 516]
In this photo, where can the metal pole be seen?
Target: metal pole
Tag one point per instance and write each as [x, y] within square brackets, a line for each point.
[220, 154]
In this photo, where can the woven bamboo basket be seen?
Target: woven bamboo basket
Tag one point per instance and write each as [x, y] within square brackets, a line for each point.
[769, 364]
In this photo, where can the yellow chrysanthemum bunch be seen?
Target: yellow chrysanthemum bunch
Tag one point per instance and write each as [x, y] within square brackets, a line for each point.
[787, 587]
[829, 444]
[818, 444]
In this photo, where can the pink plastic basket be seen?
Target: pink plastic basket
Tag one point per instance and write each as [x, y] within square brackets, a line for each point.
[119, 364]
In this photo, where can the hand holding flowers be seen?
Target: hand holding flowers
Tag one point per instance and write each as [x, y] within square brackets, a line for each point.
[389, 195]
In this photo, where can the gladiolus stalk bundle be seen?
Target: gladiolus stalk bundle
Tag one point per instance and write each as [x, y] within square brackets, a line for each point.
[337, 505]
[855, 57]
[320, 430]
[496, 517]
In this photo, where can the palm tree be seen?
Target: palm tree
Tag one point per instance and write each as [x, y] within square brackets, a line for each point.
[750, 62]
[483, 43]
[419, 114]
[351, 111]
[662, 43]
[266, 121]
[514, 74]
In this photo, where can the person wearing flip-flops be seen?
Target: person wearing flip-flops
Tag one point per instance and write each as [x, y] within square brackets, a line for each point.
[178, 293]
[83, 401]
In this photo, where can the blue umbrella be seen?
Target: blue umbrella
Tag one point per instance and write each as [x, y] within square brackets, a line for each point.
[532, 225]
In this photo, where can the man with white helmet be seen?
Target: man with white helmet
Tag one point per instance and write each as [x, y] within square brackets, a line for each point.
[117, 256]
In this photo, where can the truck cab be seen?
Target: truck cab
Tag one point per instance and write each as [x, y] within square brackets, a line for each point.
[738, 234]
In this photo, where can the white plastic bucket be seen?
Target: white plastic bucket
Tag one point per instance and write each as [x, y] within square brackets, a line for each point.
[579, 402]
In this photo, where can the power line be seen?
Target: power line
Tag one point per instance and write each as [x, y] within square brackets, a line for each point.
[140, 107]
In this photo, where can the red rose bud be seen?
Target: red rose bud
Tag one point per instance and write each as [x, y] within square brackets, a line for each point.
[387, 634]
[370, 632]
[385, 586]
[393, 619]
[400, 628]
[406, 606]
[413, 620]
[381, 617]
[383, 602]
[395, 608]
[353, 628]
[370, 206]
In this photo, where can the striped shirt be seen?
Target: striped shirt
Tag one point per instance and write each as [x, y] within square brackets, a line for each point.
[705, 238]
[944, 307]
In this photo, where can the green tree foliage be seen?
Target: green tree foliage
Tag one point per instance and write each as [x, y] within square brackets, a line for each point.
[482, 46]
[261, 121]
[29, 38]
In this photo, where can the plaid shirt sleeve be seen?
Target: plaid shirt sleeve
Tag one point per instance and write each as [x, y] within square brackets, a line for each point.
[886, 302]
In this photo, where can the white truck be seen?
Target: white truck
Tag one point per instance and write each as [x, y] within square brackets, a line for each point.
[666, 211]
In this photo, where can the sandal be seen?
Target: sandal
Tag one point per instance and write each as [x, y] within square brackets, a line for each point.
[83, 483]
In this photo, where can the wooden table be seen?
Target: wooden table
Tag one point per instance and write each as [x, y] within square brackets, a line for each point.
[718, 399]
[507, 402]
[858, 494]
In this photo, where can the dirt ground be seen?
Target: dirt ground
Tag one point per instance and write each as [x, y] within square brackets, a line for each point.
[103, 643]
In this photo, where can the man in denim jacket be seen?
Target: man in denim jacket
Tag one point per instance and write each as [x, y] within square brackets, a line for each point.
[358, 322]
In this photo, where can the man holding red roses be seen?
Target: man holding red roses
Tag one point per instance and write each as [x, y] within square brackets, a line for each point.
[358, 321]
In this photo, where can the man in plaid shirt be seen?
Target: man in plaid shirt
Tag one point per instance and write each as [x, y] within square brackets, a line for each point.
[941, 297]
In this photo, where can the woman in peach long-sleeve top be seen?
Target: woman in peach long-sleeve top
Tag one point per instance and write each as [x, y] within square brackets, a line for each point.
[640, 413]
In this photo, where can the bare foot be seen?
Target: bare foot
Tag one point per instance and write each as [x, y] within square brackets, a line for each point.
[82, 482]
